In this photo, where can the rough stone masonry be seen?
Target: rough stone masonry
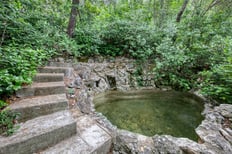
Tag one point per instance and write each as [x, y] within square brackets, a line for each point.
[94, 77]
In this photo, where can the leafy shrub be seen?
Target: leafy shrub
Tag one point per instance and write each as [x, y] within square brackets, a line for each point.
[195, 46]
[126, 38]
[2, 105]
[217, 82]
[7, 120]
[18, 67]
[29, 36]
[116, 38]
[173, 66]
[87, 40]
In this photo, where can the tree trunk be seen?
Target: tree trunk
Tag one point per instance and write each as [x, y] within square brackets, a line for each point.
[73, 18]
[158, 12]
[180, 13]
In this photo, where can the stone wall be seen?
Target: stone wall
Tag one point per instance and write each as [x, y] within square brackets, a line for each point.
[117, 74]
[94, 77]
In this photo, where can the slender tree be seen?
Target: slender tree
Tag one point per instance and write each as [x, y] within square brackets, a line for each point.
[159, 12]
[180, 13]
[73, 18]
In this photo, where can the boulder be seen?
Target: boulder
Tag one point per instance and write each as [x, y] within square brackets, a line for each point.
[128, 142]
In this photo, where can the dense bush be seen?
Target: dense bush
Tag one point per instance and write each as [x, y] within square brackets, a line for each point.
[173, 66]
[217, 82]
[29, 36]
[18, 67]
[126, 38]
[117, 38]
[87, 40]
[197, 55]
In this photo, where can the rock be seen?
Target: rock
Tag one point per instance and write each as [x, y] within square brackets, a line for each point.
[85, 75]
[84, 102]
[110, 73]
[123, 87]
[91, 60]
[60, 59]
[226, 133]
[98, 68]
[111, 66]
[78, 82]
[225, 110]
[83, 71]
[163, 145]
[127, 142]
[130, 66]
[212, 131]
[122, 73]
[103, 85]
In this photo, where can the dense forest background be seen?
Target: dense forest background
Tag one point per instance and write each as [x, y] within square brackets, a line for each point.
[189, 41]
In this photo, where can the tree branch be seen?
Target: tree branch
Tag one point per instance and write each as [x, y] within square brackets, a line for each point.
[211, 5]
[180, 13]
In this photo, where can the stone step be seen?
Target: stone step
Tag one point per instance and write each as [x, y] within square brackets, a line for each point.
[41, 105]
[59, 64]
[41, 89]
[48, 77]
[39, 133]
[91, 138]
[51, 69]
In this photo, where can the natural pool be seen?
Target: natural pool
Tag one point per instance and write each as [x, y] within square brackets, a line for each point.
[152, 112]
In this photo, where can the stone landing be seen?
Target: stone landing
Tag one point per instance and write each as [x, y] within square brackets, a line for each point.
[90, 138]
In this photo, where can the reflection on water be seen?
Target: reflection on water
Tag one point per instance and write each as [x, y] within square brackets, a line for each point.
[152, 112]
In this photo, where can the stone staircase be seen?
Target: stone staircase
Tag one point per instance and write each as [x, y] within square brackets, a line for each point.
[47, 125]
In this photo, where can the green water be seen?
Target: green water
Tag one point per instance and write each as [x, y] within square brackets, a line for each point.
[152, 112]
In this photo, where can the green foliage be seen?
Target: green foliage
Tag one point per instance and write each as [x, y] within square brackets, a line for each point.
[7, 120]
[18, 67]
[116, 38]
[130, 39]
[88, 40]
[193, 53]
[173, 66]
[31, 32]
[218, 81]
[196, 55]
[188, 55]
[2, 104]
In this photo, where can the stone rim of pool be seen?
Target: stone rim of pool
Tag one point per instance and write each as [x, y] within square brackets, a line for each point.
[142, 92]
[101, 76]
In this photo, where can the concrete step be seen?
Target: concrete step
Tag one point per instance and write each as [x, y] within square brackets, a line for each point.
[51, 69]
[41, 105]
[59, 64]
[48, 77]
[41, 89]
[91, 138]
[39, 133]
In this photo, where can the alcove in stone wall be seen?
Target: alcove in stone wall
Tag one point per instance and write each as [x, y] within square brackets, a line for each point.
[112, 82]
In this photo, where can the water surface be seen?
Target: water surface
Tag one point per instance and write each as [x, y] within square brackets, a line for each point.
[150, 112]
